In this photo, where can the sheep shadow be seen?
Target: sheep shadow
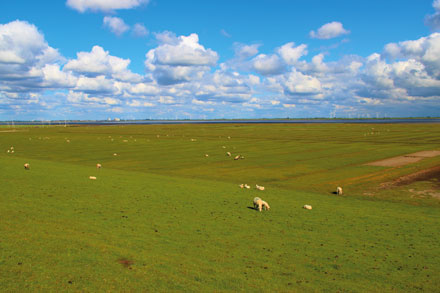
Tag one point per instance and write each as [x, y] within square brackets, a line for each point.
[334, 192]
[253, 208]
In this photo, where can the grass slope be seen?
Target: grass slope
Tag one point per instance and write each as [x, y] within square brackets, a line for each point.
[193, 230]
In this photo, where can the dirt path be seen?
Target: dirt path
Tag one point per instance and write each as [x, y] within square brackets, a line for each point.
[406, 159]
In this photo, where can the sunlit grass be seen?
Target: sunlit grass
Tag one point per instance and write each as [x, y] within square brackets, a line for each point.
[163, 217]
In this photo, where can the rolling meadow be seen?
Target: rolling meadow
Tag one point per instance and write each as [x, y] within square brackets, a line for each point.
[166, 212]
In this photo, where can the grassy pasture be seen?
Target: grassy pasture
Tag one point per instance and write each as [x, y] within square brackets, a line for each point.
[163, 217]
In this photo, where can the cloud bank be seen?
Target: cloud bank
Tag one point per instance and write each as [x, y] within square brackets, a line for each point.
[104, 5]
[183, 78]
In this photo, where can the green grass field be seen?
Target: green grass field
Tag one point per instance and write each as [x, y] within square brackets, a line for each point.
[162, 216]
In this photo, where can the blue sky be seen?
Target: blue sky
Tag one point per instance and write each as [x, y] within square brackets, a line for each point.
[133, 59]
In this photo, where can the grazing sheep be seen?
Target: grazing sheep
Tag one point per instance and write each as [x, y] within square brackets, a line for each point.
[247, 186]
[92, 177]
[206, 155]
[259, 187]
[237, 157]
[229, 154]
[307, 207]
[98, 166]
[223, 147]
[241, 185]
[339, 190]
[261, 204]
[115, 154]
[27, 166]
[242, 157]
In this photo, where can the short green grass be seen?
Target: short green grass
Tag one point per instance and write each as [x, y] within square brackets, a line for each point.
[163, 217]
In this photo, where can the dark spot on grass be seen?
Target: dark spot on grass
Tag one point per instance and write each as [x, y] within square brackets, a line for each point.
[20, 263]
[70, 282]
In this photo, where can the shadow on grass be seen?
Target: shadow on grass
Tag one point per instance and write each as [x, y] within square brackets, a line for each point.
[252, 208]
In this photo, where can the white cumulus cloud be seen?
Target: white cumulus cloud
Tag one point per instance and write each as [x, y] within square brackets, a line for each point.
[116, 25]
[179, 59]
[139, 30]
[100, 62]
[291, 54]
[329, 31]
[268, 64]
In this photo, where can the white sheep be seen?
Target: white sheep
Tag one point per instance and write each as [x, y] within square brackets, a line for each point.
[307, 207]
[237, 157]
[92, 177]
[228, 154]
[27, 166]
[247, 186]
[206, 155]
[241, 185]
[339, 190]
[259, 187]
[98, 166]
[261, 204]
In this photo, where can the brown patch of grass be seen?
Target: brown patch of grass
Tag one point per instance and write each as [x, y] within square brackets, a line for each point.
[423, 175]
[125, 262]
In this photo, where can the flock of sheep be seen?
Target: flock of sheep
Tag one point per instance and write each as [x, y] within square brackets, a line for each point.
[258, 203]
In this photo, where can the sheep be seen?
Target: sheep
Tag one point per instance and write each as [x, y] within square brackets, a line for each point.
[228, 154]
[241, 185]
[223, 147]
[261, 204]
[259, 187]
[92, 177]
[27, 166]
[206, 155]
[339, 190]
[307, 207]
[98, 166]
[247, 186]
[115, 154]
[237, 157]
